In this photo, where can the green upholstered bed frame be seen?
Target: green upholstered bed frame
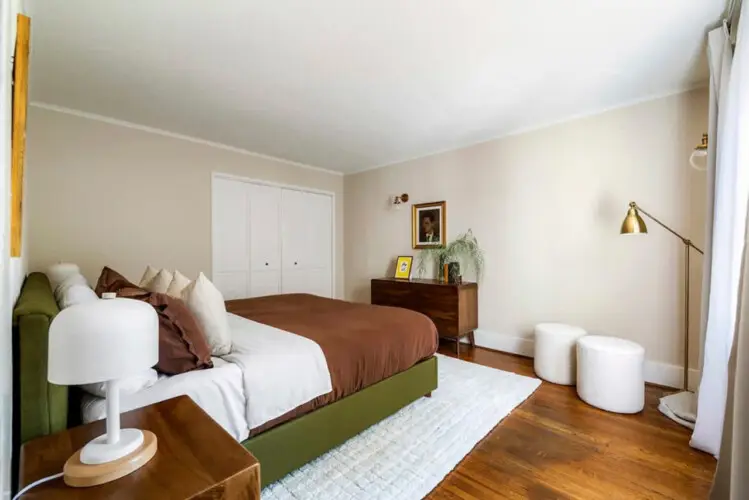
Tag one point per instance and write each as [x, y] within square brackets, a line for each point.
[42, 408]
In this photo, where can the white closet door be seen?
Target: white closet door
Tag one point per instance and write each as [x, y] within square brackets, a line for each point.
[265, 283]
[306, 232]
[265, 240]
[230, 223]
[265, 231]
[314, 281]
[294, 229]
[320, 211]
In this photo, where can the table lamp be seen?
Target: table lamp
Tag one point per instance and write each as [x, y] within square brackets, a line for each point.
[682, 404]
[104, 341]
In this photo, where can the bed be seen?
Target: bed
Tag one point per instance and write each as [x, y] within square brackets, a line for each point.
[377, 366]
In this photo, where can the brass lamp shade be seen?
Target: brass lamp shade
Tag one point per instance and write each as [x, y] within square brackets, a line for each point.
[633, 223]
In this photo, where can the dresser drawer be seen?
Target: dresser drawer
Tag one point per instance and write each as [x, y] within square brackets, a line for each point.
[396, 296]
[443, 303]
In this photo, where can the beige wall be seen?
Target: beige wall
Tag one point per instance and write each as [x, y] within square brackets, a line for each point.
[546, 207]
[102, 194]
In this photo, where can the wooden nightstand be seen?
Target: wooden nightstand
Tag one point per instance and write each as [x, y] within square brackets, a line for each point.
[196, 459]
[454, 308]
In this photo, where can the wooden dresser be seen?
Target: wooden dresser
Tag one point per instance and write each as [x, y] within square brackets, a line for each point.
[453, 308]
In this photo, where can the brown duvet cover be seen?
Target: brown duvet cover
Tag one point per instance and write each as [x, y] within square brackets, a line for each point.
[363, 344]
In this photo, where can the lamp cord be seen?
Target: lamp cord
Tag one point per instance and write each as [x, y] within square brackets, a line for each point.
[36, 483]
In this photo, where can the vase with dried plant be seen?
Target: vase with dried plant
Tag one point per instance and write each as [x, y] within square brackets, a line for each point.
[464, 250]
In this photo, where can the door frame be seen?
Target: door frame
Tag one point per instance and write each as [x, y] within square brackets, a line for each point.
[261, 182]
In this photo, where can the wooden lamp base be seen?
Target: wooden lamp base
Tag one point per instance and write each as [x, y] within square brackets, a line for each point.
[80, 475]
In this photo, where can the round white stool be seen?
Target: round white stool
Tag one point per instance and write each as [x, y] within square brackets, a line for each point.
[610, 373]
[554, 352]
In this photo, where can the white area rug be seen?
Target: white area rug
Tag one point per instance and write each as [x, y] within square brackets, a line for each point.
[406, 455]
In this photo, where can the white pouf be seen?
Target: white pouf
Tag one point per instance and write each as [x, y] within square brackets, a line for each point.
[554, 352]
[610, 373]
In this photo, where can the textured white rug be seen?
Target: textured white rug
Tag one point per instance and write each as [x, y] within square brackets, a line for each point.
[406, 455]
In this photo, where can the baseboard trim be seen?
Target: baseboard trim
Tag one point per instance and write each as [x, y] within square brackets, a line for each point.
[504, 342]
[667, 375]
[655, 372]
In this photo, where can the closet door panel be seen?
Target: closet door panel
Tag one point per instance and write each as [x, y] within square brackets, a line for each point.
[265, 283]
[314, 281]
[265, 227]
[319, 210]
[232, 285]
[306, 229]
[295, 229]
[230, 228]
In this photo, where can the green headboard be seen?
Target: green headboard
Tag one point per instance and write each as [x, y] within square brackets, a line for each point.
[40, 408]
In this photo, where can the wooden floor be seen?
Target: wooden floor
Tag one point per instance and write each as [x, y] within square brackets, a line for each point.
[555, 446]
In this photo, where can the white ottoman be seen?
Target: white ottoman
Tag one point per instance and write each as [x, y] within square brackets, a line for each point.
[554, 352]
[610, 373]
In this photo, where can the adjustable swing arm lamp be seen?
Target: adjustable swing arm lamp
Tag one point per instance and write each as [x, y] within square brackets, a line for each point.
[634, 224]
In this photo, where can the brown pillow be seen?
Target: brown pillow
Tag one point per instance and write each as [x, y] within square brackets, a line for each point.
[112, 281]
[182, 343]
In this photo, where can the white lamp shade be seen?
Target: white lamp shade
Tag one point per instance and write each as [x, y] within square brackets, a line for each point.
[102, 340]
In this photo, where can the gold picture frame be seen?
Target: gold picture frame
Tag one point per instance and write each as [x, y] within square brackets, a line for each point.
[403, 267]
[429, 225]
[18, 134]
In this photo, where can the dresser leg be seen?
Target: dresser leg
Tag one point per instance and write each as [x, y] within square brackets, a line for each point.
[457, 346]
[472, 339]
[428, 394]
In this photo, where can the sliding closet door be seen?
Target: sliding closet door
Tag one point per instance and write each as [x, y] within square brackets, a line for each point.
[231, 246]
[306, 243]
[265, 240]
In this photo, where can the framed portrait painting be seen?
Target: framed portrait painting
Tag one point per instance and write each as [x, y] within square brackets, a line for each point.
[428, 224]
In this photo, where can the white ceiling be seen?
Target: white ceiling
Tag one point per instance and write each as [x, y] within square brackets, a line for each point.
[352, 84]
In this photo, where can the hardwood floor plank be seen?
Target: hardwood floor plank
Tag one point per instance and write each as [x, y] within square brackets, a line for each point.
[555, 446]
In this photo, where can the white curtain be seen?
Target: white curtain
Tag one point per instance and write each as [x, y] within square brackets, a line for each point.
[729, 85]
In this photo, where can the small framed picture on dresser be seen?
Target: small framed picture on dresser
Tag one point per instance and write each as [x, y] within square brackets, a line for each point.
[403, 267]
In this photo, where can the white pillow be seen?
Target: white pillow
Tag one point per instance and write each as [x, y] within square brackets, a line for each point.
[61, 289]
[207, 305]
[179, 282]
[128, 385]
[150, 274]
[77, 294]
[160, 283]
[57, 273]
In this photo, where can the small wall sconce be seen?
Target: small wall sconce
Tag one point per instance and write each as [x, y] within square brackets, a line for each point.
[400, 200]
[699, 152]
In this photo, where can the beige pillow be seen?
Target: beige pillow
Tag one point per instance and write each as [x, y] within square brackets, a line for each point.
[150, 274]
[160, 283]
[207, 305]
[179, 282]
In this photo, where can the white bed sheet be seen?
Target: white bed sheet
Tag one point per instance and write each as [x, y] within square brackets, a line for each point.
[219, 391]
[281, 370]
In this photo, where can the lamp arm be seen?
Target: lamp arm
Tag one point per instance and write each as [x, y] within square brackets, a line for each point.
[686, 241]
